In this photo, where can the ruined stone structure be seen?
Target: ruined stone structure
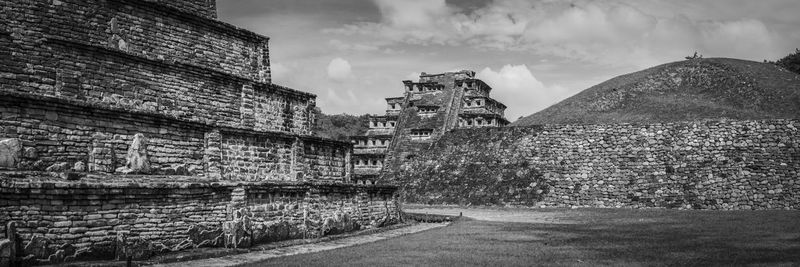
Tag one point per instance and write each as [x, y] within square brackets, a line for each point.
[430, 107]
[135, 127]
[713, 164]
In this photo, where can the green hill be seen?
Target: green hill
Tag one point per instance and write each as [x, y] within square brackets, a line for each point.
[686, 90]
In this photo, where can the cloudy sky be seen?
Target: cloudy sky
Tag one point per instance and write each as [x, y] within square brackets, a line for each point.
[355, 53]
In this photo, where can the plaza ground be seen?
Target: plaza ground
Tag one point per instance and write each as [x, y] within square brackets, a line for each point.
[581, 237]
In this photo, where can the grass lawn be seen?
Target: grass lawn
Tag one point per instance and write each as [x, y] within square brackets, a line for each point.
[586, 237]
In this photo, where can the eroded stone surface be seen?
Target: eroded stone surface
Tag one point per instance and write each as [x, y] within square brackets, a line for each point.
[101, 154]
[79, 166]
[136, 161]
[30, 153]
[10, 152]
[58, 167]
[149, 219]
[713, 164]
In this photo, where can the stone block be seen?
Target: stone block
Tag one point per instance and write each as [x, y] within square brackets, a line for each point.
[79, 166]
[30, 153]
[58, 167]
[62, 224]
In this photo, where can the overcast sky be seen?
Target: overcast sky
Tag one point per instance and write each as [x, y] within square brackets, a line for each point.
[534, 53]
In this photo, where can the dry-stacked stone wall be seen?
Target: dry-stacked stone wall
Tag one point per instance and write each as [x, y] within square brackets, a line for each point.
[146, 29]
[723, 164]
[121, 219]
[252, 157]
[58, 135]
[142, 56]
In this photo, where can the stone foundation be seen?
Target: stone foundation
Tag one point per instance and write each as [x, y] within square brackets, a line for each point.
[725, 165]
[118, 217]
[52, 132]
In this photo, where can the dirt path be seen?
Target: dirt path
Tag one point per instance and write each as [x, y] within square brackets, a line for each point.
[239, 259]
[504, 215]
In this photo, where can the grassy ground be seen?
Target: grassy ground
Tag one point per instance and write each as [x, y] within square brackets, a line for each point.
[585, 237]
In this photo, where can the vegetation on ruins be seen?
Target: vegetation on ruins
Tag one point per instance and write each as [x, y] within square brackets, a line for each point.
[472, 178]
[791, 62]
[695, 56]
[340, 126]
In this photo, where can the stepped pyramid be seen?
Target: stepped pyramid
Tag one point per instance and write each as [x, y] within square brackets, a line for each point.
[130, 128]
[433, 105]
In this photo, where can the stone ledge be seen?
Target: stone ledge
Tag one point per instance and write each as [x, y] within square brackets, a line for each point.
[54, 102]
[43, 180]
[168, 11]
[241, 131]
[370, 151]
[98, 107]
[177, 66]
[477, 111]
[490, 99]
[468, 114]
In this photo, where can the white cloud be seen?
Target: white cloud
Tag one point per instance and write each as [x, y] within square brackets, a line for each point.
[340, 45]
[604, 32]
[412, 14]
[517, 88]
[412, 21]
[740, 38]
[339, 70]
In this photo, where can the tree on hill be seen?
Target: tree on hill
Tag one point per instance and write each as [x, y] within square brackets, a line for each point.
[339, 126]
[791, 62]
[695, 56]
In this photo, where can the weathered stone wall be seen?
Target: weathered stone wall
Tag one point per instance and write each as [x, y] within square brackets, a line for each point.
[276, 107]
[704, 165]
[112, 78]
[134, 127]
[138, 56]
[145, 29]
[325, 162]
[57, 133]
[252, 157]
[58, 221]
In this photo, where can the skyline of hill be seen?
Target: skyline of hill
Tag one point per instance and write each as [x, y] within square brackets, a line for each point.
[693, 89]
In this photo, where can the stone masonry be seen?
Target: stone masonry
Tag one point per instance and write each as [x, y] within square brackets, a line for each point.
[724, 165]
[430, 107]
[130, 128]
